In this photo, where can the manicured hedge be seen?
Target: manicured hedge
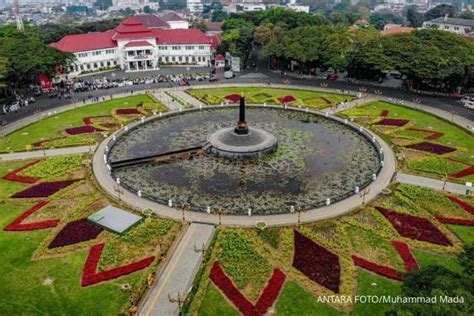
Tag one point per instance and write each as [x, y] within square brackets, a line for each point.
[75, 232]
[271, 291]
[461, 203]
[127, 111]
[455, 220]
[432, 134]
[286, 99]
[316, 262]
[234, 98]
[86, 129]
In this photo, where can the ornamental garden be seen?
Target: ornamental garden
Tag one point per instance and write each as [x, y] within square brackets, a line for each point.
[56, 261]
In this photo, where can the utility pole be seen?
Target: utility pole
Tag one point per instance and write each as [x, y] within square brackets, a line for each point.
[19, 21]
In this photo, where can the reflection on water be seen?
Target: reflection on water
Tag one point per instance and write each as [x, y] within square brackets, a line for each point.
[317, 158]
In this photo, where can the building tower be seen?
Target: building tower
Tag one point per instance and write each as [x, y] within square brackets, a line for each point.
[19, 21]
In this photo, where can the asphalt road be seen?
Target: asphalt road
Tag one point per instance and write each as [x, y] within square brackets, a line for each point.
[249, 76]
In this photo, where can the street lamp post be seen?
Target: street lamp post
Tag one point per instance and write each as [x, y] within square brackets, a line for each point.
[363, 194]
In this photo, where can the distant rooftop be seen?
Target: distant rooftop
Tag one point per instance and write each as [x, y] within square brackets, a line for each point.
[453, 21]
[172, 16]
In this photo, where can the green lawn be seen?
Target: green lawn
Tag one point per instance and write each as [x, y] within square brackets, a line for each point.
[427, 258]
[214, 304]
[431, 165]
[260, 95]
[8, 188]
[54, 126]
[294, 300]
[22, 280]
[465, 233]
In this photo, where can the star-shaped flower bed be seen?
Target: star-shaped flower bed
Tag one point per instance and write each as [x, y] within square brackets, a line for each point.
[316, 262]
[44, 189]
[466, 206]
[415, 227]
[432, 148]
[75, 232]
[431, 134]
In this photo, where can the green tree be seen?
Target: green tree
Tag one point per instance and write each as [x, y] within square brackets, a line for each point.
[441, 10]
[27, 55]
[3, 72]
[415, 18]
[103, 4]
[380, 19]
[219, 15]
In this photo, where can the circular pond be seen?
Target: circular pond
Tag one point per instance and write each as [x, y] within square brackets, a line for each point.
[317, 158]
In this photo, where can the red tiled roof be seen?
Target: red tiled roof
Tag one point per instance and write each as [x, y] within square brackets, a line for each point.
[138, 44]
[132, 28]
[180, 36]
[85, 42]
[397, 30]
[171, 17]
[151, 20]
[219, 57]
[215, 40]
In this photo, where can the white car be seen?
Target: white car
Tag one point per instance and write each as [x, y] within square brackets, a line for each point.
[469, 104]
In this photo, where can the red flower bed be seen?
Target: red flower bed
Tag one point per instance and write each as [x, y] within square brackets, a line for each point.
[432, 148]
[288, 99]
[271, 291]
[266, 299]
[463, 173]
[86, 129]
[225, 284]
[408, 259]
[378, 269]
[384, 113]
[455, 220]
[392, 122]
[127, 111]
[17, 225]
[13, 176]
[75, 232]
[90, 276]
[316, 262]
[432, 134]
[88, 119]
[461, 203]
[234, 98]
[415, 227]
[44, 189]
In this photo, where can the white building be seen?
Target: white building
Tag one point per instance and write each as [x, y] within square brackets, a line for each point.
[194, 6]
[453, 25]
[132, 46]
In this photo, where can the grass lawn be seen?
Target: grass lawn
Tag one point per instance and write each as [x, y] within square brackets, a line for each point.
[294, 300]
[22, 280]
[54, 126]
[306, 98]
[429, 164]
[214, 304]
[8, 188]
[427, 258]
[466, 233]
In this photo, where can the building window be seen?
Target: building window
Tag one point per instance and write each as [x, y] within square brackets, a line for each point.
[110, 51]
[162, 47]
[95, 65]
[201, 47]
[179, 58]
[446, 27]
[88, 66]
[96, 53]
[175, 47]
[456, 28]
[173, 59]
[189, 47]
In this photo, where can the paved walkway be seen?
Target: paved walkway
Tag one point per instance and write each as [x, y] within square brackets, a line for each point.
[179, 272]
[48, 152]
[167, 100]
[431, 183]
[189, 99]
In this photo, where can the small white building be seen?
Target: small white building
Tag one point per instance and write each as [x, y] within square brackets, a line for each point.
[132, 46]
[453, 25]
[195, 7]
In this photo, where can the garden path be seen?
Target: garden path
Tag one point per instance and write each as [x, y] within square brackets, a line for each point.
[167, 100]
[189, 99]
[178, 273]
[431, 183]
[48, 152]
